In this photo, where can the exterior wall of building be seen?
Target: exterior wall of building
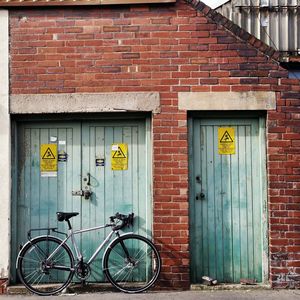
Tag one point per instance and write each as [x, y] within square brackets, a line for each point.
[169, 49]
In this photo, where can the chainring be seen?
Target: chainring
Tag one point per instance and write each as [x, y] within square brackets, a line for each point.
[82, 271]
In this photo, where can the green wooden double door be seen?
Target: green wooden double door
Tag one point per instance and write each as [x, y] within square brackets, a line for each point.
[84, 181]
[227, 196]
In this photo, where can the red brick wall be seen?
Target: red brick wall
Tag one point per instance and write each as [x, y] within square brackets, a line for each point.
[284, 186]
[168, 49]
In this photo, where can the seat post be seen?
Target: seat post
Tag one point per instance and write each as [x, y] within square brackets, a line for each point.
[69, 224]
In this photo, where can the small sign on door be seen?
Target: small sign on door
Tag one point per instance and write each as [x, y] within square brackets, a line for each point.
[226, 140]
[119, 157]
[48, 160]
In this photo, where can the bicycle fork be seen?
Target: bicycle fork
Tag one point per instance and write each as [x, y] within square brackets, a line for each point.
[125, 251]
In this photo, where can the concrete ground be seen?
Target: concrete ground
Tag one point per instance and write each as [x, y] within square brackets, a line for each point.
[263, 294]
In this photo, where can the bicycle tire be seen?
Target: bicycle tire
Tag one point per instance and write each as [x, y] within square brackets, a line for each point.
[140, 271]
[41, 278]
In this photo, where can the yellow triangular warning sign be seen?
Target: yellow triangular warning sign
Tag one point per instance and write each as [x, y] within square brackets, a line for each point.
[226, 138]
[48, 154]
[119, 153]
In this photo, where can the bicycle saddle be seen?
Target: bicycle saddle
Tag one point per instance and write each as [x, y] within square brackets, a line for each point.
[64, 216]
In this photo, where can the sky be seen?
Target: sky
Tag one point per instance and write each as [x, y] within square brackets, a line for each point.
[214, 3]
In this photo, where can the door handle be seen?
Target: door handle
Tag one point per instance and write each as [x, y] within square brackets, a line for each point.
[200, 196]
[87, 193]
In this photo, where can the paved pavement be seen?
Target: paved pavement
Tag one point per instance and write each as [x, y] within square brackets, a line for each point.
[182, 295]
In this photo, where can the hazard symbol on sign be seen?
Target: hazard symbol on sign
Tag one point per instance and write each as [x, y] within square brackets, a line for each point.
[119, 153]
[119, 157]
[48, 154]
[226, 143]
[48, 160]
[226, 138]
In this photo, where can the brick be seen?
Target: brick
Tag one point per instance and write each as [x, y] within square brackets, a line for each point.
[241, 88]
[249, 80]
[219, 74]
[226, 40]
[291, 95]
[210, 81]
[218, 47]
[111, 69]
[229, 81]
[220, 88]
[129, 28]
[199, 47]
[237, 73]
[111, 28]
[130, 55]
[278, 74]
[210, 67]
[200, 89]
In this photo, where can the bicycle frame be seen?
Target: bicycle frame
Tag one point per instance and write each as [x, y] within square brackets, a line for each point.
[71, 235]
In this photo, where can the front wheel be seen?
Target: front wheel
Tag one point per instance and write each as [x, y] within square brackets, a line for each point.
[132, 263]
[43, 275]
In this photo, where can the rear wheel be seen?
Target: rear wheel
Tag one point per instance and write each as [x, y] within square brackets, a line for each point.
[41, 275]
[132, 263]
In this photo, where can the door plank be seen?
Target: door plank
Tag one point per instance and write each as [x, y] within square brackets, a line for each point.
[242, 138]
[198, 139]
[33, 181]
[257, 207]
[226, 180]
[249, 205]
[236, 174]
[209, 200]
[218, 208]
[144, 209]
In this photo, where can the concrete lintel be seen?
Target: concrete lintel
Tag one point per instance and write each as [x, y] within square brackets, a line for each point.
[227, 101]
[5, 146]
[87, 103]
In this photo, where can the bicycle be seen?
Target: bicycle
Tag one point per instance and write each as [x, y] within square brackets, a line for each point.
[46, 264]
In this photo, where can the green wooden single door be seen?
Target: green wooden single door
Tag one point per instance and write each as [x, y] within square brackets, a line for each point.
[226, 199]
[84, 151]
